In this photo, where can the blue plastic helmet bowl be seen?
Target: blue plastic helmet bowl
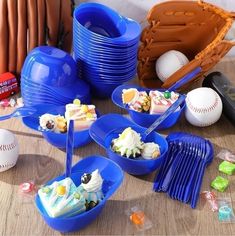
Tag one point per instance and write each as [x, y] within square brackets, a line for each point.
[105, 25]
[58, 140]
[145, 119]
[137, 166]
[50, 66]
[102, 90]
[112, 176]
[100, 19]
[81, 138]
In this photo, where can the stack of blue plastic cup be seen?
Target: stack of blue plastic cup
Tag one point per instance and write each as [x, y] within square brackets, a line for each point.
[105, 47]
[49, 76]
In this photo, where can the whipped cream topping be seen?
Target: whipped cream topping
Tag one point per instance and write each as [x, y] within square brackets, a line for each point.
[95, 183]
[150, 150]
[44, 119]
[128, 143]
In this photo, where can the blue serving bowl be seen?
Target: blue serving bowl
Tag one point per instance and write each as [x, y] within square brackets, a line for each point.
[81, 138]
[58, 140]
[137, 166]
[112, 176]
[103, 132]
[145, 119]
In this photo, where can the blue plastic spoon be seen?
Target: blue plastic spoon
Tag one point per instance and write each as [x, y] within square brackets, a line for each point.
[69, 149]
[20, 112]
[168, 112]
[185, 79]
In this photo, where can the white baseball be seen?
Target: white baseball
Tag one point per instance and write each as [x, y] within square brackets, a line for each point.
[203, 107]
[168, 63]
[9, 150]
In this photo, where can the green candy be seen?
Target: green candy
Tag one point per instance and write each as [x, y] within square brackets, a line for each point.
[167, 94]
[219, 183]
[227, 167]
[46, 189]
[77, 195]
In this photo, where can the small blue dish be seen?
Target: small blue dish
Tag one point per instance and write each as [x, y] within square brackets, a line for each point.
[141, 118]
[112, 176]
[103, 132]
[81, 138]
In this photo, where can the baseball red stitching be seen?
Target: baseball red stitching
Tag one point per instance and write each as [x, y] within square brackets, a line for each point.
[7, 165]
[7, 147]
[203, 110]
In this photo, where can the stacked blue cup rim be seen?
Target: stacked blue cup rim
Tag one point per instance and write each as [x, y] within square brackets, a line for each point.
[105, 47]
[49, 76]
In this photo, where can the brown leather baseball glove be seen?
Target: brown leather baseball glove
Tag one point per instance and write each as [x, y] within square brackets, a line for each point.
[25, 24]
[196, 29]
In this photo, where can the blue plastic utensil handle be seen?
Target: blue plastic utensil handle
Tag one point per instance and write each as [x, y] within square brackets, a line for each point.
[205, 161]
[69, 148]
[185, 79]
[168, 112]
[20, 112]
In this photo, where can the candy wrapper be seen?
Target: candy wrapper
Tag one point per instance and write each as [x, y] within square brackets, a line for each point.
[227, 167]
[219, 183]
[226, 155]
[8, 102]
[139, 219]
[20, 102]
[28, 189]
[210, 197]
[225, 212]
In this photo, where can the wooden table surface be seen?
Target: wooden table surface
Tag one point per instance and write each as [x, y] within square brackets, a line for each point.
[40, 162]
